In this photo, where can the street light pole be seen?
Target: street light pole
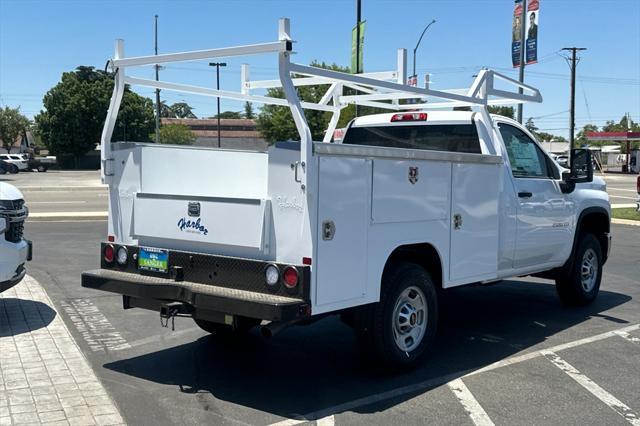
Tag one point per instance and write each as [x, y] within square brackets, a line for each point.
[415, 49]
[157, 67]
[218, 65]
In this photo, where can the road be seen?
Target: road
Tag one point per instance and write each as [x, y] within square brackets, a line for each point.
[621, 188]
[164, 377]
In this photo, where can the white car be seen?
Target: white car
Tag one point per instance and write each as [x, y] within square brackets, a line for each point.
[15, 251]
[19, 160]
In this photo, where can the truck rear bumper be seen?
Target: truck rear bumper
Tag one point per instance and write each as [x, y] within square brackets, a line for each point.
[207, 301]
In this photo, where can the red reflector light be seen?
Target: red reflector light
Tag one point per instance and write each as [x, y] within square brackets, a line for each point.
[108, 253]
[290, 277]
[111, 238]
[409, 116]
[306, 261]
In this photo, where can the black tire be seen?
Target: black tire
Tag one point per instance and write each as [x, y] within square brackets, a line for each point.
[383, 331]
[41, 169]
[571, 288]
[241, 327]
[13, 169]
[3, 171]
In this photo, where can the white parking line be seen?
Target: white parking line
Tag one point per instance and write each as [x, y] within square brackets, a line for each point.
[615, 404]
[471, 405]
[326, 421]
[628, 337]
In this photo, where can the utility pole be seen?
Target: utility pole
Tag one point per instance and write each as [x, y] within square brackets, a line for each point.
[157, 67]
[218, 65]
[358, 19]
[415, 49]
[572, 109]
[523, 26]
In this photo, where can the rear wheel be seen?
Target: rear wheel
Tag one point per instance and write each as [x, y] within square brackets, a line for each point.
[41, 169]
[13, 169]
[581, 283]
[402, 326]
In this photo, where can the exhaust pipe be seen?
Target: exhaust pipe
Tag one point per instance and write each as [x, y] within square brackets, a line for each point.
[273, 328]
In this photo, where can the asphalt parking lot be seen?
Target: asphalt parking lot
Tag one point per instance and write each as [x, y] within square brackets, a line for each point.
[507, 354]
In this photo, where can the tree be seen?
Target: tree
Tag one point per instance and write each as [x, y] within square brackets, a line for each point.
[229, 114]
[12, 125]
[581, 137]
[175, 134]
[531, 126]
[76, 108]
[276, 123]
[182, 110]
[248, 111]
[505, 111]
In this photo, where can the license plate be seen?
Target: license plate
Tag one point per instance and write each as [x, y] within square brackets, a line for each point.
[153, 259]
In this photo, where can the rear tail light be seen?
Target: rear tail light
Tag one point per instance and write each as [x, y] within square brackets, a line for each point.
[409, 116]
[108, 253]
[290, 277]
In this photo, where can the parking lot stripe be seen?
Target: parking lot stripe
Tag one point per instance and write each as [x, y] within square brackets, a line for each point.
[628, 337]
[326, 421]
[604, 396]
[471, 405]
[557, 348]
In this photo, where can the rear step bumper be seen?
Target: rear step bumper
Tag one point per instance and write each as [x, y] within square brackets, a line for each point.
[206, 300]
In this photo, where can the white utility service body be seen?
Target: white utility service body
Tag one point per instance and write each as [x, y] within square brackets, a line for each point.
[311, 228]
[15, 251]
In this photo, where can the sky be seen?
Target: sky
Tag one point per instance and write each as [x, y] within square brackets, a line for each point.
[39, 40]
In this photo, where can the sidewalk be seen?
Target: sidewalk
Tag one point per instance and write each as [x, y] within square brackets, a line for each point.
[44, 377]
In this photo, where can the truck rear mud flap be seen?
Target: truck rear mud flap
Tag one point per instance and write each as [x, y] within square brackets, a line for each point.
[203, 300]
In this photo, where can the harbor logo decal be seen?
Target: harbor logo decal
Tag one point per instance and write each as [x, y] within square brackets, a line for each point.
[192, 226]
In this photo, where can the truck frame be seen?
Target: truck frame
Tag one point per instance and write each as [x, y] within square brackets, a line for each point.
[315, 228]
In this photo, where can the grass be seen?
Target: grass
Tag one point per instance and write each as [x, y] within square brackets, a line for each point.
[626, 213]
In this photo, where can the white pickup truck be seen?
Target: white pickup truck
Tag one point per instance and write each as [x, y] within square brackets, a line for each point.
[409, 204]
[15, 251]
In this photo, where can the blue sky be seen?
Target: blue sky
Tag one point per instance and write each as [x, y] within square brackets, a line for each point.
[41, 39]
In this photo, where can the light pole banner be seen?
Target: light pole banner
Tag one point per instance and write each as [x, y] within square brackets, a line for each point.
[533, 14]
[516, 34]
[354, 43]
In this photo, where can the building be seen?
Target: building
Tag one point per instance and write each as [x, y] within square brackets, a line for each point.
[23, 143]
[235, 133]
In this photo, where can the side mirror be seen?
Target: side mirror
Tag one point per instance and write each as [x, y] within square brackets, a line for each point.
[581, 170]
[581, 166]
[3, 225]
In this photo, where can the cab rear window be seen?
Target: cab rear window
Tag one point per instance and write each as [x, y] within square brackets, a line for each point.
[437, 137]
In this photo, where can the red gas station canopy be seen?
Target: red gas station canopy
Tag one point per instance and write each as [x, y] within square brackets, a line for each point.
[613, 136]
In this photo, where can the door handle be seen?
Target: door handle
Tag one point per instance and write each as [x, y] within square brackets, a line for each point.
[525, 194]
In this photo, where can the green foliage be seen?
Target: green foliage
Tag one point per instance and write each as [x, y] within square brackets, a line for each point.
[229, 114]
[175, 134]
[531, 126]
[248, 111]
[276, 123]
[505, 111]
[76, 108]
[182, 110]
[12, 125]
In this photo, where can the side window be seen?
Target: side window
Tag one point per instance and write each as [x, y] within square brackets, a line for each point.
[526, 158]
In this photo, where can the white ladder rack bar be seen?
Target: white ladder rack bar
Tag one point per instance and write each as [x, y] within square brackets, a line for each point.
[252, 49]
[221, 93]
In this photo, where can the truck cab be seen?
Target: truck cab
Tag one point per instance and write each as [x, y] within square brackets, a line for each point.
[15, 251]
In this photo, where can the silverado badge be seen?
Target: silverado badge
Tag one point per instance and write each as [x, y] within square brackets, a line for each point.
[413, 174]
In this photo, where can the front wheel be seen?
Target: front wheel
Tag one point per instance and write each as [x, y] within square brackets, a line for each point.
[41, 169]
[404, 323]
[581, 283]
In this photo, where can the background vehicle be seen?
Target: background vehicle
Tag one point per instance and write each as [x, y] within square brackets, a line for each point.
[411, 202]
[15, 251]
[19, 160]
[563, 160]
[6, 167]
[41, 164]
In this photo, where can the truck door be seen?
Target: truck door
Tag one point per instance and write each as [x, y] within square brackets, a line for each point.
[543, 231]
[343, 220]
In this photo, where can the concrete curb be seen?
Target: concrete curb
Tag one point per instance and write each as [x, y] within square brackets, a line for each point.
[625, 222]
